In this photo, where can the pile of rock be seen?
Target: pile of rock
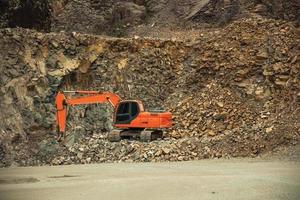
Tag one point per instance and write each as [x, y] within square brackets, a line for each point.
[255, 71]
[242, 89]
[97, 149]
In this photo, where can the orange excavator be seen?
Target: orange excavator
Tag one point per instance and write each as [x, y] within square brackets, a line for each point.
[130, 119]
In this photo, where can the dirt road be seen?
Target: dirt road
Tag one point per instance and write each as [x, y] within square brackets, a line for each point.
[211, 179]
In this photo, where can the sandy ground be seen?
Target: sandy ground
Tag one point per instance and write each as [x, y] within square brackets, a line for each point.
[208, 179]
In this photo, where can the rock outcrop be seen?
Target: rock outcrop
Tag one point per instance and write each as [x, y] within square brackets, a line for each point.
[233, 92]
[127, 18]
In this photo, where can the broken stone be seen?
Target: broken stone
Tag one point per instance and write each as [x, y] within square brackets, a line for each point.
[80, 155]
[166, 150]
[262, 55]
[269, 129]
[211, 133]
[220, 104]
[74, 137]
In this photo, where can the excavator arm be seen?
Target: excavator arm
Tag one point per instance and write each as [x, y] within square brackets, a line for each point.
[92, 97]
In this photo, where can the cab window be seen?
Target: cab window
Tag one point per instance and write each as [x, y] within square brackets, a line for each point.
[126, 112]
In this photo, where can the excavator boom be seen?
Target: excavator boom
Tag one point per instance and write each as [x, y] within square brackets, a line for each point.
[93, 97]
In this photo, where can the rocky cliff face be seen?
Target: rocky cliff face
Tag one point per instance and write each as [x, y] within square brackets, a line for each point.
[122, 18]
[233, 91]
[132, 17]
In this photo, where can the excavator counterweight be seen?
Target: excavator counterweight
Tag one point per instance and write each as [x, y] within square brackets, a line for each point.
[130, 119]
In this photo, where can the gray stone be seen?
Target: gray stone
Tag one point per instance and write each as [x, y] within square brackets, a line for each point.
[74, 136]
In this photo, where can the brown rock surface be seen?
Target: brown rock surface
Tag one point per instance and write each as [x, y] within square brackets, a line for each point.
[227, 89]
[138, 17]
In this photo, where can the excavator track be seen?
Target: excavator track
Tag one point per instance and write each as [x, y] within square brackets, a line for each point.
[114, 136]
[144, 135]
[150, 135]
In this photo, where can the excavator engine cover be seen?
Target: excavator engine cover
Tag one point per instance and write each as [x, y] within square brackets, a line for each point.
[131, 114]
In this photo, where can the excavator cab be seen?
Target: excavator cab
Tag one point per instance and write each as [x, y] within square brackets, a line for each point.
[126, 112]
